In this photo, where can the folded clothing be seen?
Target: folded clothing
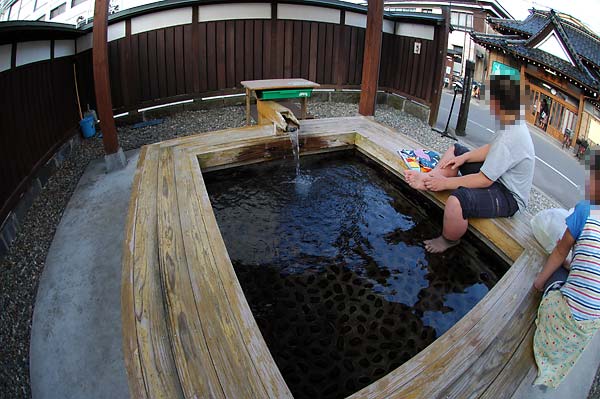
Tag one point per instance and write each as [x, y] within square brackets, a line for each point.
[421, 160]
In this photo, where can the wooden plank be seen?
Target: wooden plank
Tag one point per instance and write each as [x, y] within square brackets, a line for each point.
[258, 51]
[321, 53]
[143, 52]
[156, 357]
[267, 61]
[161, 63]
[262, 361]
[211, 55]
[153, 60]
[230, 53]
[278, 40]
[170, 61]
[297, 49]
[312, 65]
[135, 376]
[517, 369]
[220, 55]
[328, 58]
[271, 84]
[288, 48]
[197, 53]
[195, 369]
[234, 368]
[179, 65]
[352, 56]
[190, 59]
[136, 86]
[360, 55]
[304, 52]
[248, 51]
[239, 59]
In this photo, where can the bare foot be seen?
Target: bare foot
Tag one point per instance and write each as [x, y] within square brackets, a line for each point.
[439, 245]
[415, 179]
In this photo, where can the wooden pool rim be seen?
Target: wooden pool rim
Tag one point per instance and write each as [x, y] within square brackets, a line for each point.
[189, 332]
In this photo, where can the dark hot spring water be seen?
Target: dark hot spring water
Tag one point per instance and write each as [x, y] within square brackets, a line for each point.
[334, 269]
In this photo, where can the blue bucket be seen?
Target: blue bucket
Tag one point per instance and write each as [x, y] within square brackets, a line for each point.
[87, 127]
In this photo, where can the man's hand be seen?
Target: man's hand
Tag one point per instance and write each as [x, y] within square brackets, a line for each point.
[435, 183]
[453, 163]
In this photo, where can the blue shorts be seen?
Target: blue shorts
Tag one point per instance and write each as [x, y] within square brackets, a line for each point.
[491, 202]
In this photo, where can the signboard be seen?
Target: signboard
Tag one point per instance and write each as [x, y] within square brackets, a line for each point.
[499, 68]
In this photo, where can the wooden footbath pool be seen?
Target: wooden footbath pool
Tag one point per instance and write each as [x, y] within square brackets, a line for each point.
[228, 293]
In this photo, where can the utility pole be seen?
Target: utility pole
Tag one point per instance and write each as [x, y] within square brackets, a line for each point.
[465, 101]
[114, 158]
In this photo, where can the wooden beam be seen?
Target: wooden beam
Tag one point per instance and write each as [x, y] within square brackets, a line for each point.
[102, 78]
[372, 58]
[441, 49]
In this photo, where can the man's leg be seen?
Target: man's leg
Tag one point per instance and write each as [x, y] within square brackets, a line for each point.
[415, 178]
[455, 226]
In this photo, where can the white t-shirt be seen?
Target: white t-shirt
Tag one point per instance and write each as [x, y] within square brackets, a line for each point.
[511, 161]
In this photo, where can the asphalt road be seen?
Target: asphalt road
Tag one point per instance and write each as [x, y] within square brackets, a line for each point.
[557, 172]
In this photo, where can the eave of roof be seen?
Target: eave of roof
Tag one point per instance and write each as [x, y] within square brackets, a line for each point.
[21, 31]
[517, 48]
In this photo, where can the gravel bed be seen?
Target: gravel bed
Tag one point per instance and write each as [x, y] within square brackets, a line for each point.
[21, 268]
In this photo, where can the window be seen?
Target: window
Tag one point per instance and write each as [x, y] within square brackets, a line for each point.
[39, 4]
[77, 2]
[427, 10]
[58, 10]
[461, 20]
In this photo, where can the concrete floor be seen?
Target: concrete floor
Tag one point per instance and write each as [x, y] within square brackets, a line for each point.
[76, 345]
[76, 340]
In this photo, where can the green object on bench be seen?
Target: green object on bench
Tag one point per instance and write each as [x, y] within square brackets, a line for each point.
[283, 93]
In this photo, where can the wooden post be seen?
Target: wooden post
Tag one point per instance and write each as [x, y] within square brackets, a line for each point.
[102, 78]
[579, 117]
[371, 59]
[441, 50]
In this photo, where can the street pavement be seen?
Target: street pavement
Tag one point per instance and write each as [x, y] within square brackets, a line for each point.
[557, 172]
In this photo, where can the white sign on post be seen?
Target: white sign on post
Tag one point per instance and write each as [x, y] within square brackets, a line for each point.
[417, 49]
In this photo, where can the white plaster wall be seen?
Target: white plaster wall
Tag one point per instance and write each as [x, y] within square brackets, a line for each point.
[388, 26]
[356, 19]
[308, 13]
[116, 31]
[162, 19]
[64, 48]
[220, 12]
[415, 30]
[5, 55]
[84, 42]
[456, 38]
[28, 52]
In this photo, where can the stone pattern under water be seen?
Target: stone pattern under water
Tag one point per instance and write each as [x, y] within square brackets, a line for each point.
[334, 270]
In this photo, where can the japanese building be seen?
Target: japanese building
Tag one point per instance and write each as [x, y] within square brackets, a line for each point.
[559, 60]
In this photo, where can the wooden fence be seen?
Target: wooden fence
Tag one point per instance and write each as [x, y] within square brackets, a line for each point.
[194, 60]
[39, 112]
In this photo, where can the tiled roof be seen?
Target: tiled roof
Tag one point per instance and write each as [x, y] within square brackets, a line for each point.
[516, 46]
[584, 42]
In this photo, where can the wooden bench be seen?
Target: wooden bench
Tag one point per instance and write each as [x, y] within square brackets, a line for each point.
[189, 332]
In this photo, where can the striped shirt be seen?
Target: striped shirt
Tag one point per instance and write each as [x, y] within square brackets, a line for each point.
[582, 288]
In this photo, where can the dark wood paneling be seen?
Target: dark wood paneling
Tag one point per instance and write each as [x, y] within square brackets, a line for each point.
[189, 60]
[33, 126]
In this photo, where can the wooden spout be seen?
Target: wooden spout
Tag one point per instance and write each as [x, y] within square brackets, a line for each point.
[271, 112]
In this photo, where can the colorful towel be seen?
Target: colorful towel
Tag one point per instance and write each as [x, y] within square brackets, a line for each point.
[420, 160]
[559, 339]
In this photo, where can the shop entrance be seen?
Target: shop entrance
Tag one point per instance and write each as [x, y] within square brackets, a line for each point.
[551, 113]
